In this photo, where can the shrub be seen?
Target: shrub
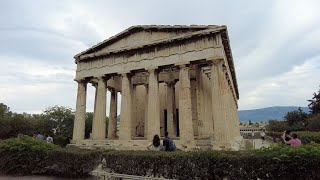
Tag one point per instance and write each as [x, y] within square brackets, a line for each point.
[23, 155]
[280, 162]
[313, 123]
[61, 141]
[27, 156]
[306, 137]
[72, 162]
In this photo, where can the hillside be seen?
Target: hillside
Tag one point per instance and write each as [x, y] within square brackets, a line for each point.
[265, 114]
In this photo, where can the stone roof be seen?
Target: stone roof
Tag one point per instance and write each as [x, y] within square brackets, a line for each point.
[136, 28]
[202, 30]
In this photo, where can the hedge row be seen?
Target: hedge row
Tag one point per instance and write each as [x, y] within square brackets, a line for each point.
[27, 156]
[280, 162]
[305, 136]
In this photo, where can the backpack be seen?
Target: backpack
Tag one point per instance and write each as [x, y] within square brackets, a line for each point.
[172, 145]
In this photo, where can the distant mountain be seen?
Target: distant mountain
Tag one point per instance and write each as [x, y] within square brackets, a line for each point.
[265, 114]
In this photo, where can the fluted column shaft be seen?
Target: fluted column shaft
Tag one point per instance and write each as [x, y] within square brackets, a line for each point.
[112, 126]
[185, 113]
[171, 108]
[146, 112]
[99, 119]
[204, 111]
[218, 82]
[125, 115]
[228, 112]
[234, 111]
[153, 105]
[80, 115]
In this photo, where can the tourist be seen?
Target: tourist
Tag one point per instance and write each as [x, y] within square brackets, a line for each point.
[294, 141]
[252, 134]
[155, 145]
[263, 136]
[49, 139]
[37, 135]
[168, 143]
[286, 136]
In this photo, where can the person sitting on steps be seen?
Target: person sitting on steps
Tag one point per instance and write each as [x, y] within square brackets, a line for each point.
[155, 145]
[168, 143]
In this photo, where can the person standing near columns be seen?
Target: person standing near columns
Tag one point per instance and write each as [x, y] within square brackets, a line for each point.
[126, 100]
[185, 113]
[112, 126]
[99, 119]
[80, 115]
[153, 120]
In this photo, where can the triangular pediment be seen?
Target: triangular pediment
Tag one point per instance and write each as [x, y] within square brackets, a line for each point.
[140, 35]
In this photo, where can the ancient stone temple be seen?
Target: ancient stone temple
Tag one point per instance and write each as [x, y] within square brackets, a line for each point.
[179, 79]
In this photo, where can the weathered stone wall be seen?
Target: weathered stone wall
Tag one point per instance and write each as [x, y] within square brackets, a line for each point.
[143, 37]
[190, 50]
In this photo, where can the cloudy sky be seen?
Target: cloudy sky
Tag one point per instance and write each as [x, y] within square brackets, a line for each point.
[275, 44]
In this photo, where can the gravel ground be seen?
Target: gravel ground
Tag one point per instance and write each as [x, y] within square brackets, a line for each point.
[5, 177]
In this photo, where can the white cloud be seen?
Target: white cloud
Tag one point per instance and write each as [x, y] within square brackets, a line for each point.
[276, 45]
[290, 88]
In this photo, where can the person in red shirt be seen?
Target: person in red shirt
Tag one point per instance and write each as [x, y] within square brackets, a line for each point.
[295, 142]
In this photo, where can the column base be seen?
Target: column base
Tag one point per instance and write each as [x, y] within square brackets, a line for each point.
[141, 144]
[233, 145]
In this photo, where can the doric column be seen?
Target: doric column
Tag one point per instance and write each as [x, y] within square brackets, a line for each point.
[80, 116]
[112, 126]
[125, 115]
[99, 119]
[171, 109]
[185, 113]
[234, 112]
[153, 105]
[205, 123]
[218, 83]
[146, 112]
[228, 113]
[133, 111]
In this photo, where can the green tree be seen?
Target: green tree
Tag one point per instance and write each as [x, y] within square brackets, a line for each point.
[88, 126]
[21, 124]
[277, 126]
[296, 119]
[4, 111]
[62, 118]
[314, 122]
[12, 124]
[314, 105]
[5, 128]
[44, 125]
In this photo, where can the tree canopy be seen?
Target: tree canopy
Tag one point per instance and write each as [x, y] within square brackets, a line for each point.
[314, 105]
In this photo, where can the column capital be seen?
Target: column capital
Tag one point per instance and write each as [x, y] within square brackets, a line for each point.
[184, 66]
[103, 78]
[94, 82]
[153, 70]
[172, 82]
[216, 61]
[128, 75]
[111, 89]
[84, 80]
